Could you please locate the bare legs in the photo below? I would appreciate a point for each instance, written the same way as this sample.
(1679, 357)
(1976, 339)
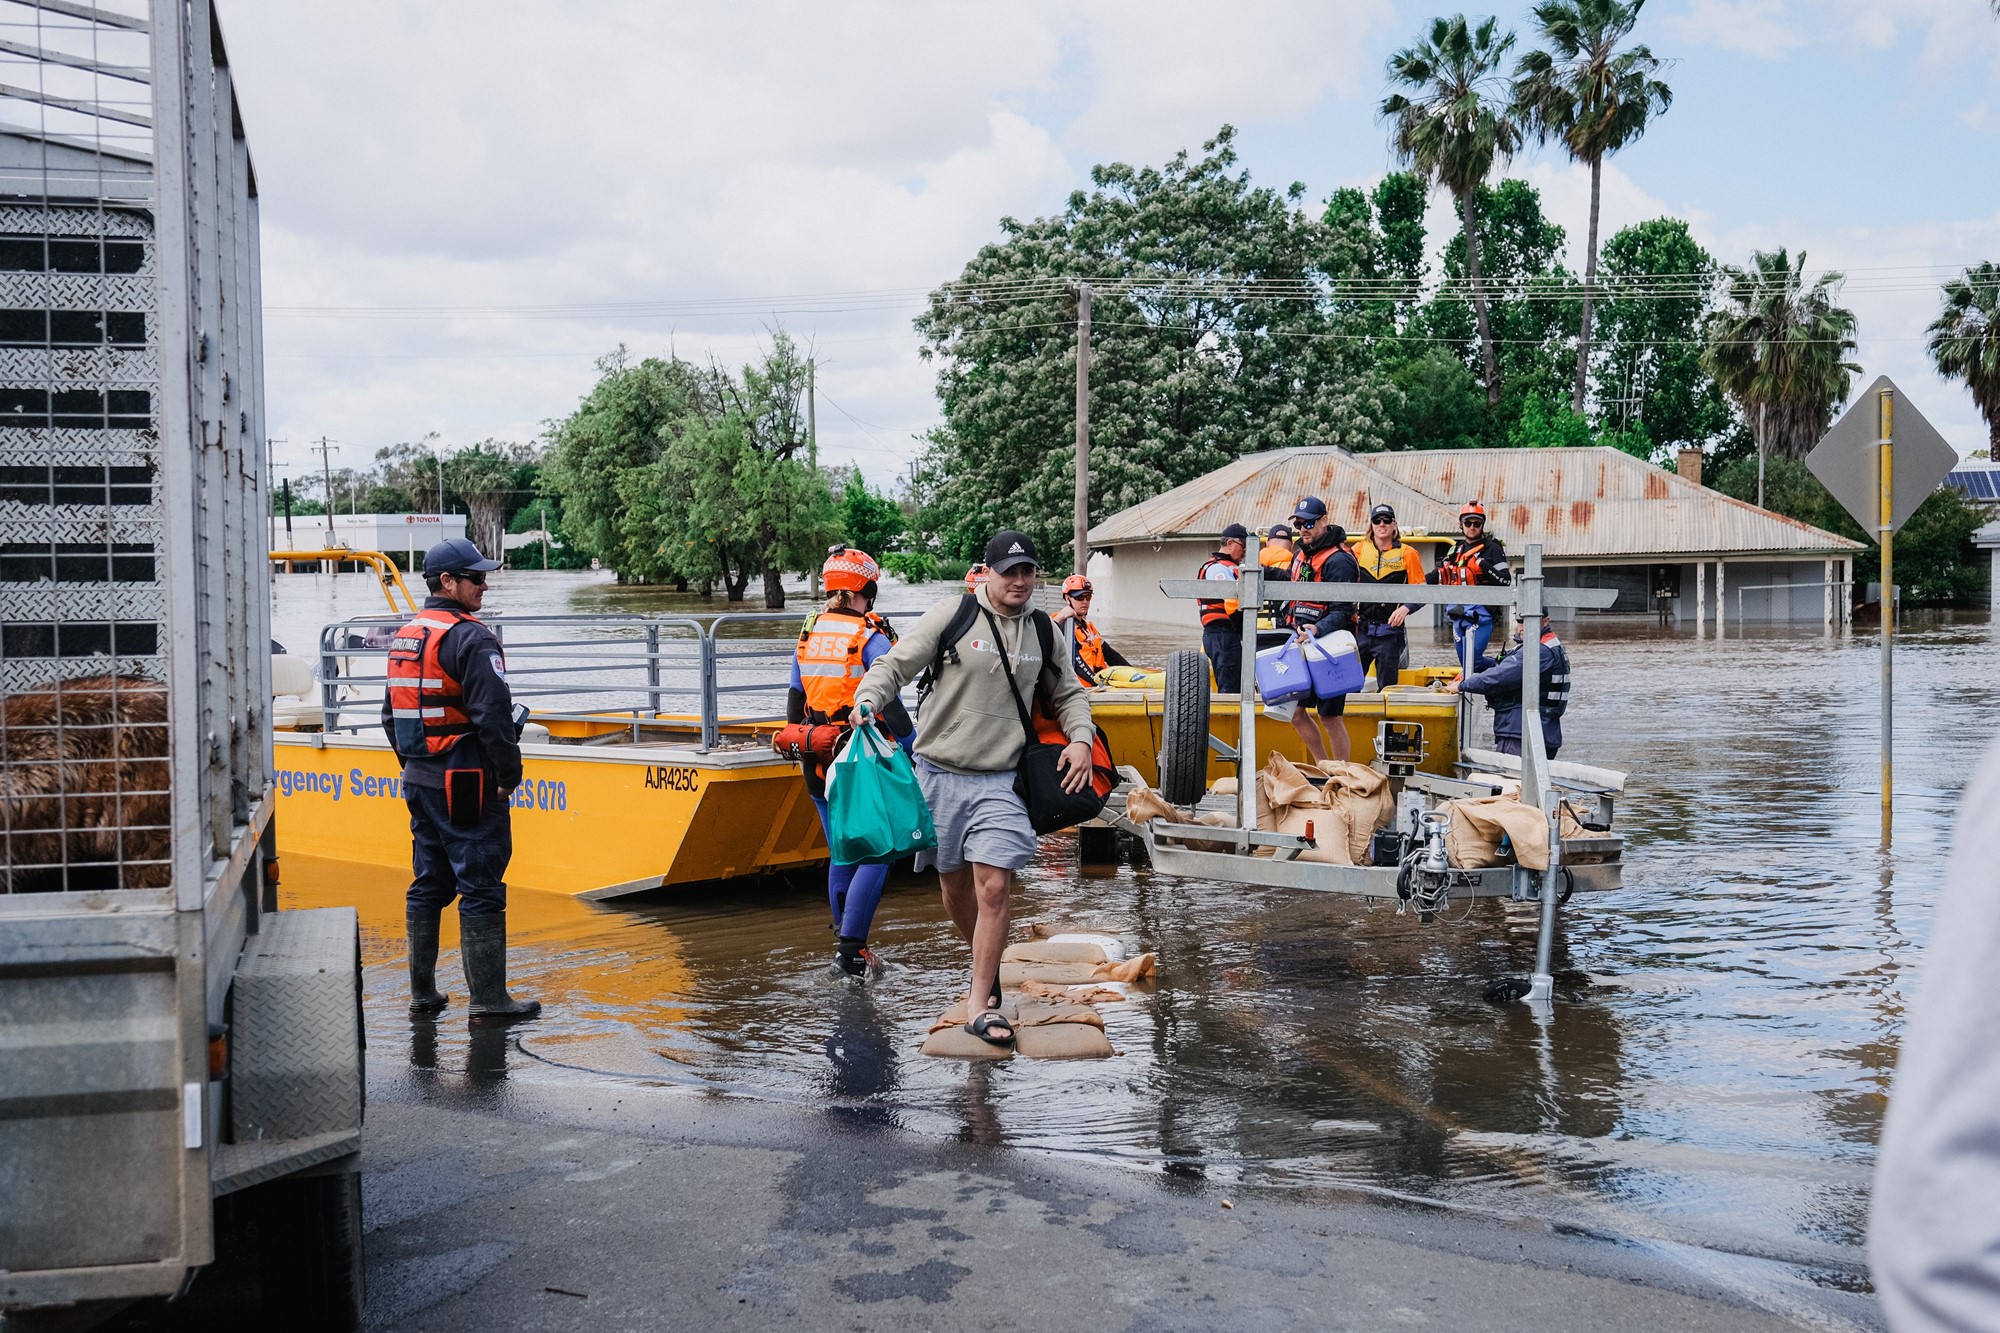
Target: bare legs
(978, 900)
(1322, 741)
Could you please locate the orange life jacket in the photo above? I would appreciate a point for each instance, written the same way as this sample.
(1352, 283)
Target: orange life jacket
(1089, 649)
(1466, 564)
(1216, 612)
(1310, 567)
(426, 706)
(830, 666)
(1275, 557)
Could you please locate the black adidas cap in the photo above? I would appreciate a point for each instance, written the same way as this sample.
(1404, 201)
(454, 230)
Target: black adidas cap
(1010, 548)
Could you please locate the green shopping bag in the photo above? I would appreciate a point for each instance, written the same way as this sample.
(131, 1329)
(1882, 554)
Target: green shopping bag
(876, 812)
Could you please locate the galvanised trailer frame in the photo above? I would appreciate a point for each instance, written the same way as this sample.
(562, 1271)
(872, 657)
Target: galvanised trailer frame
(176, 1052)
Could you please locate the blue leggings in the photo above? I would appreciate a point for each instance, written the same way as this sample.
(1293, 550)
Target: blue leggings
(1473, 621)
(852, 892)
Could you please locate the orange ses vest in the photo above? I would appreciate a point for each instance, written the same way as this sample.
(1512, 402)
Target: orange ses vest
(426, 705)
(1089, 650)
(830, 666)
(1216, 612)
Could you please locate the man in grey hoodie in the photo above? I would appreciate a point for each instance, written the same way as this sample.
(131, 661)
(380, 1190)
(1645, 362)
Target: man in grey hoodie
(969, 740)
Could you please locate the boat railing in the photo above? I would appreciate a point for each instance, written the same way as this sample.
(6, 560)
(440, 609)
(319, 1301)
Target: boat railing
(642, 669)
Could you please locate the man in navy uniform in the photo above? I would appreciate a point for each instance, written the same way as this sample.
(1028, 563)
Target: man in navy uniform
(1500, 682)
(450, 718)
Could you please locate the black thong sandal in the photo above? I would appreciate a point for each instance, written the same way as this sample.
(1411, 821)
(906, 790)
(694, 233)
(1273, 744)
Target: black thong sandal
(982, 1028)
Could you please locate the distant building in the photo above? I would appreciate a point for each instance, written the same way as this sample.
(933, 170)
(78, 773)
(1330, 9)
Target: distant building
(1604, 519)
(404, 535)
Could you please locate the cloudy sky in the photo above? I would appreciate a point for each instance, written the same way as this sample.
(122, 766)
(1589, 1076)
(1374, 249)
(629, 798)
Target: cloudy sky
(466, 204)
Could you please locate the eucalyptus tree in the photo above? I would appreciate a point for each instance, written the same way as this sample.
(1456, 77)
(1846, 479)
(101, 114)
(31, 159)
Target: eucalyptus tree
(1964, 340)
(1453, 123)
(1777, 347)
(1595, 99)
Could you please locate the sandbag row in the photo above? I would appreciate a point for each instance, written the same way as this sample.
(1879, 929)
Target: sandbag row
(1051, 985)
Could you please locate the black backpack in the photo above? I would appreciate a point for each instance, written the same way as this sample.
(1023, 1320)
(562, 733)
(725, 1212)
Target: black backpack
(955, 629)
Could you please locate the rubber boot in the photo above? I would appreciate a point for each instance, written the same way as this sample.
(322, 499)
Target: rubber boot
(421, 928)
(482, 947)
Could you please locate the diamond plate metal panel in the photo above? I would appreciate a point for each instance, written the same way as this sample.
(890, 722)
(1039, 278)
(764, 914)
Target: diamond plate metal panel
(295, 1045)
(64, 446)
(112, 367)
(74, 222)
(83, 601)
(77, 291)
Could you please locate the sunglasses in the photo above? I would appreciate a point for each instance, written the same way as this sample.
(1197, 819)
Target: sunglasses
(1472, 522)
(475, 577)
(1383, 522)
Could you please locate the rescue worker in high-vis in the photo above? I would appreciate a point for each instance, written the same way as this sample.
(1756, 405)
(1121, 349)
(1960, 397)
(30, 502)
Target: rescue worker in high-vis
(1323, 557)
(1089, 654)
(1476, 560)
(1222, 618)
(1381, 557)
(1275, 557)
(451, 720)
(836, 648)
(1500, 682)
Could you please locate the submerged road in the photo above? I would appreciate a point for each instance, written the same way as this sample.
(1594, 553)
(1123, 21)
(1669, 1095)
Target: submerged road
(503, 1196)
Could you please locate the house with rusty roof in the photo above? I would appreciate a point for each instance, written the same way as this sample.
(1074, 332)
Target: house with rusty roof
(1669, 545)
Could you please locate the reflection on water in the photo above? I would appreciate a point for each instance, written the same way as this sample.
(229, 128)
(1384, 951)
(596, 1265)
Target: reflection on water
(1714, 1075)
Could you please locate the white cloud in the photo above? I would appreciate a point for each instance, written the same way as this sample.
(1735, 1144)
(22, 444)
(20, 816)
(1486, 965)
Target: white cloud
(513, 153)
(1755, 27)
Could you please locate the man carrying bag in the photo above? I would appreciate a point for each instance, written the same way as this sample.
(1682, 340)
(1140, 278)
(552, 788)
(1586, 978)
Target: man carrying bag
(971, 740)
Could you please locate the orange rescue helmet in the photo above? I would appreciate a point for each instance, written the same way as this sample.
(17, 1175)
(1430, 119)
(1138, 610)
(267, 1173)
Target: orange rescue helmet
(1076, 585)
(974, 577)
(1472, 509)
(849, 570)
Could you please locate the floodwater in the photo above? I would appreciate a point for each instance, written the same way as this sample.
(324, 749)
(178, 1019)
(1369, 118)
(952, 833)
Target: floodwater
(1712, 1082)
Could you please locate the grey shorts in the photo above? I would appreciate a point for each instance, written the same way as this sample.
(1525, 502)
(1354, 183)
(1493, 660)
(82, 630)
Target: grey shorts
(978, 818)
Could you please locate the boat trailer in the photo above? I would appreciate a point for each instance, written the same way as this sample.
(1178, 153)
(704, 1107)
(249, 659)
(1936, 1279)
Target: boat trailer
(1419, 875)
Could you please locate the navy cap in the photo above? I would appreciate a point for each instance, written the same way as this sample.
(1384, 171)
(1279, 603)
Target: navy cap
(1382, 511)
(1236, 532)
(457, 556)
(1008, 549)
(1279, 532)
(1310, 510)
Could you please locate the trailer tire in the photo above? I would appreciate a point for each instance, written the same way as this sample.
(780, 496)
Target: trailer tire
(309, 1257)
(1184, 729)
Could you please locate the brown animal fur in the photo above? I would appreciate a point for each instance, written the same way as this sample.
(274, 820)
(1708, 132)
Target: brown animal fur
(84, 786)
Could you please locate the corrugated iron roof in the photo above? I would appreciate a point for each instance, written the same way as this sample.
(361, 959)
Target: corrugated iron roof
(1576, 502)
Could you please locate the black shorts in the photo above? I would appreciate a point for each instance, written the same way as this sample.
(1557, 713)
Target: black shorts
(1333, 707)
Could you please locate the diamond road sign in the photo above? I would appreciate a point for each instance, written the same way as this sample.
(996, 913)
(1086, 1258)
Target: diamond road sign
(1848, 460)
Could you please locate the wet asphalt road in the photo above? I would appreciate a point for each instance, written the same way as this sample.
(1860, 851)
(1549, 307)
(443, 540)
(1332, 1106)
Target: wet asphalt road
(500, 1199)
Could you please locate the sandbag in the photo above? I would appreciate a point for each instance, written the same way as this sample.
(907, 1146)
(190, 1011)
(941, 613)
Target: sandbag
(1054, 951)
(1363, 796)
(1225, 786)
(1063, 1041)
(1287, 802)
(1142, 968)
(1472, 838)
(1087, 993)
(1143, 805)
(1047, 930)
(1037, 1012)
(1014, 975)
(1114, 948)
(948, 1039)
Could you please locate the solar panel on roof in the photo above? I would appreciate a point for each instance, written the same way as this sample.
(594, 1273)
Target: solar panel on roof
(1979, 483)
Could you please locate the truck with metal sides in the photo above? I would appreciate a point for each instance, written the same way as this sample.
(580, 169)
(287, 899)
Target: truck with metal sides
(180, 1062)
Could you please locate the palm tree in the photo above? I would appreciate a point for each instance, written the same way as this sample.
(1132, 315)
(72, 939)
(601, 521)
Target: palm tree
(1449, 129)
(1777, 347)
(1596, 99)
(1965, 340)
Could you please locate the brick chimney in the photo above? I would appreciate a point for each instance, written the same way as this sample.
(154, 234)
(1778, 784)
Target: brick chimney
(1688, 464)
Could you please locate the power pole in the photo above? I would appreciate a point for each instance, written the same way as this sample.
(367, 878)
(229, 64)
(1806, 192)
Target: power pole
(1081, 545)
(1760, 454)
(327, 448)
(812, 455)
(272, 465)
(545, 539)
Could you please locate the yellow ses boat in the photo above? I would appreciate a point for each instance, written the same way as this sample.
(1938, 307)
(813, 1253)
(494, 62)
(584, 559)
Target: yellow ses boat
(647, 760)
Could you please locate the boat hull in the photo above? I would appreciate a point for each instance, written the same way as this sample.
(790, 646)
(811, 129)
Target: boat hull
(593, 822)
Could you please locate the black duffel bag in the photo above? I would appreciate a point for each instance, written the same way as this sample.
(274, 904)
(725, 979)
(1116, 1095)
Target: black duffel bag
(1037, 777)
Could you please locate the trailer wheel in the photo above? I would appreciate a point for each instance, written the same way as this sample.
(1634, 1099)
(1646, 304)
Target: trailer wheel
(309, 1252)
(1184, 729)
